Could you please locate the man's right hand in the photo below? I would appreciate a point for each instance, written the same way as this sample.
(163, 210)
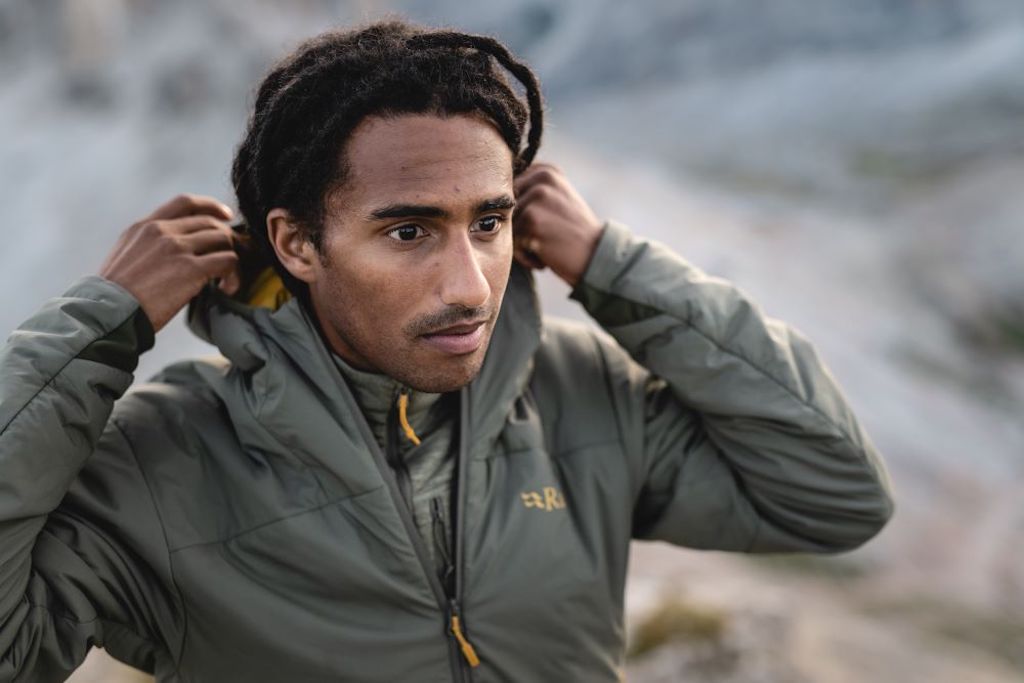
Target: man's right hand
(166, 258)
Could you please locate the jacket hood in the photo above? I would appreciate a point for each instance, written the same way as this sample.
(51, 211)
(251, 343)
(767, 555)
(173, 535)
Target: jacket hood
(283, 388)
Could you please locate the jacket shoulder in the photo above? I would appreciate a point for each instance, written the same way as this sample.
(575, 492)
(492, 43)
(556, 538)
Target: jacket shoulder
(186, 445)
(175, 404)
(585, 378)
(572, 352)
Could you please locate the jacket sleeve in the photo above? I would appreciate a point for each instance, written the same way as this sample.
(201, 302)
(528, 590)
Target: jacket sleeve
(748, 443)
(81, 549)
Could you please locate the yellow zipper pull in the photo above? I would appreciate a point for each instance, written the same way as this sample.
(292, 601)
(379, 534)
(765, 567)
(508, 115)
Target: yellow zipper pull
(403, 418)
(467, 648)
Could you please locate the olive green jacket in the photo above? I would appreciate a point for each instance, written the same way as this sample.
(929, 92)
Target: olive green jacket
(235, 520)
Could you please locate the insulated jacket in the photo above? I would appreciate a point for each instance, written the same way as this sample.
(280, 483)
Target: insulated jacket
(417, 438)
(234, 519)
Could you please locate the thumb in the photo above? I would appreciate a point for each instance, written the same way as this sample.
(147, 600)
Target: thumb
(230, 283)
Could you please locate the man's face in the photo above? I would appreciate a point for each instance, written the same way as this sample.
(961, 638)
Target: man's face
(417, 249)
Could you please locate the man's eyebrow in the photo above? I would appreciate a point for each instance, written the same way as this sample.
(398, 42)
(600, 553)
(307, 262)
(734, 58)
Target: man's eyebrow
(408, 211)
(426, 211)
(502, 202)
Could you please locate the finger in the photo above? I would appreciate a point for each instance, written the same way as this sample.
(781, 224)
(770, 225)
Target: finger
(540, 167)
(529, 218)
(537, 174)
(528, 259)
(530, 249)
(206, 241)
(217, 263)
(189, 224)
(231, 283)
(525, 224)
(531, 244)
(524, 182)
(191, 205)
(518, 256)
(527, 245)
(537, 201)
(532, 195)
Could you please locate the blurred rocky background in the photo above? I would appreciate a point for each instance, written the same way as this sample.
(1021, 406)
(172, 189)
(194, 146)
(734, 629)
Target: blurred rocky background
(858, 167)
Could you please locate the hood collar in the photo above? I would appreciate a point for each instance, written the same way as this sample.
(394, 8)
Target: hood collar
(281, 362)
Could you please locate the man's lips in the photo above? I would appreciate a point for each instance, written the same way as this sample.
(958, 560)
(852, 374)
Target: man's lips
(457, 339)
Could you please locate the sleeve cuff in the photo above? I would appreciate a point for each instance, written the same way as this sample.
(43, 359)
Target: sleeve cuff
(616, 251)
(609, 256)
(121, 347)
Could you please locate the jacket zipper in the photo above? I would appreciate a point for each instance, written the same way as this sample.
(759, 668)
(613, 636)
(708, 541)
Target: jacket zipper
(458, 505)
(447, 575)
(442, 534)
(461, 651)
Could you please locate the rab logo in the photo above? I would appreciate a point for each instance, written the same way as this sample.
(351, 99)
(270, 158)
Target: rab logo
(548, 499)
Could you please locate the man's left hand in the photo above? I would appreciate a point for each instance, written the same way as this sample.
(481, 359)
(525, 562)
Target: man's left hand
(554, 227)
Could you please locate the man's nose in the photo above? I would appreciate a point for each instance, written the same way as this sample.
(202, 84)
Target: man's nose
(462, 278)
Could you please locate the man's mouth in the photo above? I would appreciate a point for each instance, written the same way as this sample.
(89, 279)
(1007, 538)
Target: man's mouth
(459, 339)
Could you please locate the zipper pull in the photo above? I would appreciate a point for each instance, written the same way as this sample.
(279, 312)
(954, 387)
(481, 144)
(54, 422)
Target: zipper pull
(456, 628)
(403, 417)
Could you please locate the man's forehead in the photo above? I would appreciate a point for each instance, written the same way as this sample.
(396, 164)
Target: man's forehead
(413, 157)
(439, 174)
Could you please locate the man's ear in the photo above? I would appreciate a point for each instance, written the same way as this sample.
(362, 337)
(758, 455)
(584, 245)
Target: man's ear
(293, 248)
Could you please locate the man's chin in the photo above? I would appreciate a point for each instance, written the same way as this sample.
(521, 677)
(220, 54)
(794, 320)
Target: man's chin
(439, 372)
(449, 375)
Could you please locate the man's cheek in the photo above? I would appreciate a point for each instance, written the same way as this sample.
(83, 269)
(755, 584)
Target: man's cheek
(498, 278)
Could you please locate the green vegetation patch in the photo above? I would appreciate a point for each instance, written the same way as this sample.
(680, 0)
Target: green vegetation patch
(679, 621)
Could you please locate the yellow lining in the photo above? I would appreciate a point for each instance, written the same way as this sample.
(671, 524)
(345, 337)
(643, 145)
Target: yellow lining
(267, 291)
(403, 418)
(467, 649)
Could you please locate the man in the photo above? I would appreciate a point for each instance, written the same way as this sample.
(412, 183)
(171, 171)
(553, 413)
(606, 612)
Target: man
(401, 473)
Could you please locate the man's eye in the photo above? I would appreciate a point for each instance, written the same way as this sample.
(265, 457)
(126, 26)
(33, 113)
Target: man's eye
(489, 224)
(406, 233)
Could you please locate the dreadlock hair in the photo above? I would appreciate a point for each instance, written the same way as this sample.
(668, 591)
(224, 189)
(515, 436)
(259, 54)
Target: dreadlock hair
(309, 104)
